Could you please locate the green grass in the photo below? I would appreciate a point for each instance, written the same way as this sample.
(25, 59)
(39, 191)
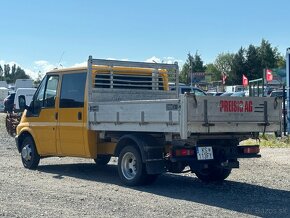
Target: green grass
(269, 141)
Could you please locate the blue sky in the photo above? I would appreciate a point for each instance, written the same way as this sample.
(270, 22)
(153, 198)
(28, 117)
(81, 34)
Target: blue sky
(38, 34)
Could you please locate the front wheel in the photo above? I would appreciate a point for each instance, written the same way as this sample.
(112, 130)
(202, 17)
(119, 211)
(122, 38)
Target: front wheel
(30, 157)
(213, 174)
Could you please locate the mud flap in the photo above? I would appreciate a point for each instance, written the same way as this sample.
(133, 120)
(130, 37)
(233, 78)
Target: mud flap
(155, 166)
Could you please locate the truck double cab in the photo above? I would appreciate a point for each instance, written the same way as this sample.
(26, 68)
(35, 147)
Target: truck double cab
(125, 109)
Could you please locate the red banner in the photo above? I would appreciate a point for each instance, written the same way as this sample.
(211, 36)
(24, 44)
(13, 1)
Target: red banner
(245, 80)
(269, 75)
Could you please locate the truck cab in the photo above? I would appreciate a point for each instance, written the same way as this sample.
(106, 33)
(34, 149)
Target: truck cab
(55, 122)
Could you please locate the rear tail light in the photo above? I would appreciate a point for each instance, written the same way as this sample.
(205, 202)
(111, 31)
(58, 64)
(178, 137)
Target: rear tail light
(251, 149)
(183, 152)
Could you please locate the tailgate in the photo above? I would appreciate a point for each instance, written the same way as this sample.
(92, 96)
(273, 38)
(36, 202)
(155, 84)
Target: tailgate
(217, 114)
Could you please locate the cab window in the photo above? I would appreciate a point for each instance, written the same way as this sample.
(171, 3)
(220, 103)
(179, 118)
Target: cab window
(72, 90)
(50, 92)
(45, 95)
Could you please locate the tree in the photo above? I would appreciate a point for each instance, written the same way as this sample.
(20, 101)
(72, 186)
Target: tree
(6, 70)
(192, 64)
(13, 73)
(253, 63)
(13, 70)
(40, 77)
(268, 55)
(250, 61)
(211, 69)
(281, 62)
(224, 64)
(197, 63)
(1, 73)
(20, 74)
(238, 67)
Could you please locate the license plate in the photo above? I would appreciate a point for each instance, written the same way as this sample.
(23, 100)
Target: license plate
(204, 153)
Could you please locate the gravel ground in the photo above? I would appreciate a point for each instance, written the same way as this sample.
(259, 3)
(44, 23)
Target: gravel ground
(73, 187)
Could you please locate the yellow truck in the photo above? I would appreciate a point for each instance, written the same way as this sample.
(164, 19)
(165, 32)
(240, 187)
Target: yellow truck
(125, 109)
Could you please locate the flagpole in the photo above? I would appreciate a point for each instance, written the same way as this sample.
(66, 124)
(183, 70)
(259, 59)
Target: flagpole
(263, 81)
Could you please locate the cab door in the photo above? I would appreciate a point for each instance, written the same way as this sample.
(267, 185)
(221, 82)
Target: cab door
(42, 116)
(71, 114)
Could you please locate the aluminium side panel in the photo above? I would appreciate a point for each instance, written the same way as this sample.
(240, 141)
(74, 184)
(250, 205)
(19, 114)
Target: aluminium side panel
(137, 116)
(211, 114)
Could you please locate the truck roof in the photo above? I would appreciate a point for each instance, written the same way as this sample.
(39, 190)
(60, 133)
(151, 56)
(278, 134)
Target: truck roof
(107, 69)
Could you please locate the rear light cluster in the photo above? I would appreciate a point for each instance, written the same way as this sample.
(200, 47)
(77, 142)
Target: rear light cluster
(182, 152)
(251, 149)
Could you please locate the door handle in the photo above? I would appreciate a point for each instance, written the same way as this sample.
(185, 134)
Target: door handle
(56, 115)
(79, 115)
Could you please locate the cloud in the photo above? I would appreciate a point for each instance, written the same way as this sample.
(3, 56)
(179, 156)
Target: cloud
(166, 60)
(40, 66)
(2, 62)
(28, 71)
(43, 66)
(153, 59)
(82, 64)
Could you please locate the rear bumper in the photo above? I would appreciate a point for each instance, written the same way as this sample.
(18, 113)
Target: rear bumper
(225, 157)
(249, 156)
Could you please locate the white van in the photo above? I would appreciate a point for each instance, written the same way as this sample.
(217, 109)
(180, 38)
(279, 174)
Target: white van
(3, 95)
(27, 93)
(3, 84)
(23, 83)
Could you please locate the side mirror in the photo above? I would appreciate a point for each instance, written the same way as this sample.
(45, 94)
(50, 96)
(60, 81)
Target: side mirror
(22, 103)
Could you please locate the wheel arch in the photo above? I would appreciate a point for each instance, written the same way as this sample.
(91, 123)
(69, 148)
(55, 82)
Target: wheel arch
(133, 140)
(21, 136)
(151, 150)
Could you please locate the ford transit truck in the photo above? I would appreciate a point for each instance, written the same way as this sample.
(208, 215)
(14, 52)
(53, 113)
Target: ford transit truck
(125, 109)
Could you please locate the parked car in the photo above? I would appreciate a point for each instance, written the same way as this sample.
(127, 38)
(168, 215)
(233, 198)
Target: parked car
(9, 102)
(3, 95)
(278, 93)
(227, 94)
(212, 93)
(238, 94)
(268, 90)
(195, 90)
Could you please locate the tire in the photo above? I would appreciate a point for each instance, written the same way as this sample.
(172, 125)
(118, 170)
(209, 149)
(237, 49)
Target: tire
(213, 174)
(131, 169)
(102, 160)
(29, 156)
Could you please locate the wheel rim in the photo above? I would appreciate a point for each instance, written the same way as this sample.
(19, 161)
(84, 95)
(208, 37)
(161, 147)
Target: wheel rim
(26, 152)
(129, 166)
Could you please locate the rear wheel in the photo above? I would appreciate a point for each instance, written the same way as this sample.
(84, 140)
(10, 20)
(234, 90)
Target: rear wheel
(131, 169)
(102, 159)
(30, 157)
(213, 174)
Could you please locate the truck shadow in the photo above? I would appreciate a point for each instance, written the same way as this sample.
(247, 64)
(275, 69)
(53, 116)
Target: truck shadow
(232, 195)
